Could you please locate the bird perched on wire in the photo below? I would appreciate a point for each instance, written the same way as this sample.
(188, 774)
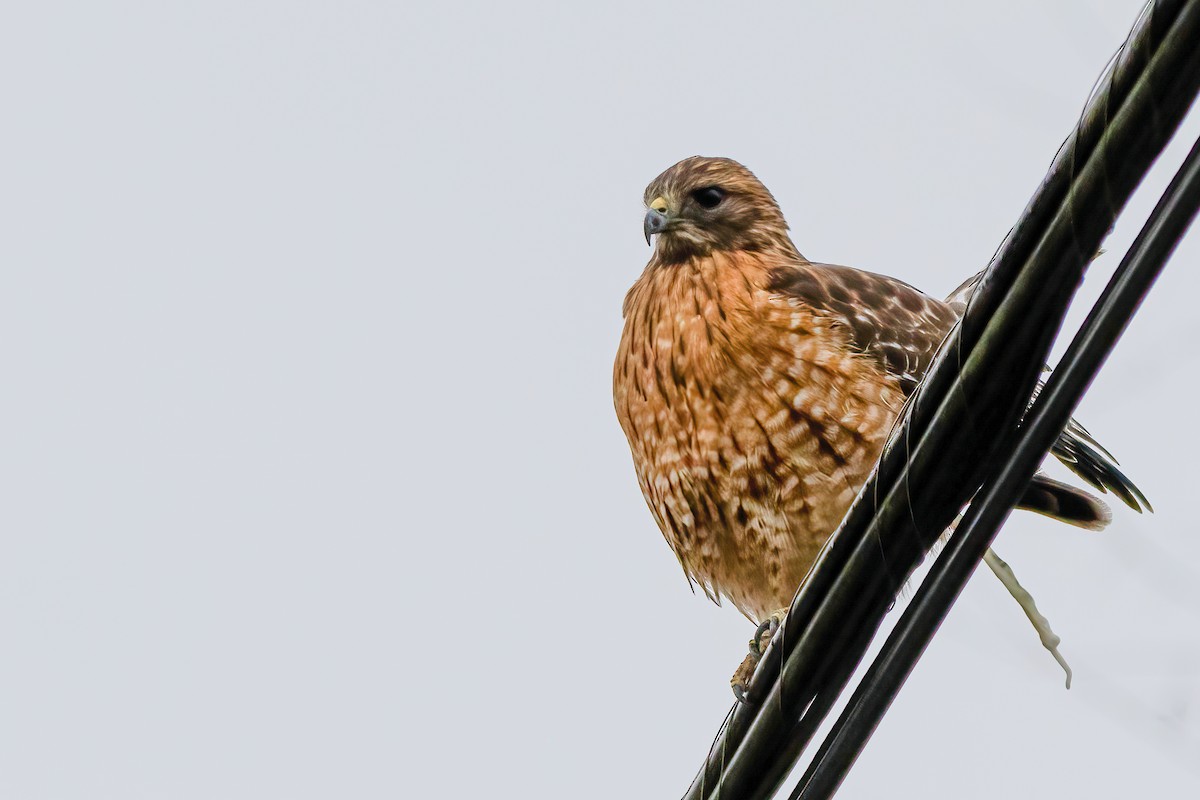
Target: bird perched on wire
(757, 389)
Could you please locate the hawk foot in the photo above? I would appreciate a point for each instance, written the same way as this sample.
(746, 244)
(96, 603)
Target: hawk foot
(740, 682)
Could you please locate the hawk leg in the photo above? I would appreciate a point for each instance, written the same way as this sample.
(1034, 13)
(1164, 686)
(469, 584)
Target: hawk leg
(740, 681)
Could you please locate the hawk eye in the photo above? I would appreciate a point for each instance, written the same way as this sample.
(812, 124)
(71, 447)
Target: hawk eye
(709, 197)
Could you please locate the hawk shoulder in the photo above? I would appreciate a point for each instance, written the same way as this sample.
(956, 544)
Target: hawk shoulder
(886, 318)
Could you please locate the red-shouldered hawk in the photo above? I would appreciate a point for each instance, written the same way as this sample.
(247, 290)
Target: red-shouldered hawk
(757, 388)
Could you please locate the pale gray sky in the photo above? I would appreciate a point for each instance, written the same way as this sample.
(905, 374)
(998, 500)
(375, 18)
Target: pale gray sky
(313, 486)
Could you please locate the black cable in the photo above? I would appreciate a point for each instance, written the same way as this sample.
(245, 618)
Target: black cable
(1046, 419)
(971, 400)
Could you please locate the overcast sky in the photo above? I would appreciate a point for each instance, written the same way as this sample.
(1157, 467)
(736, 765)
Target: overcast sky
(312, 483)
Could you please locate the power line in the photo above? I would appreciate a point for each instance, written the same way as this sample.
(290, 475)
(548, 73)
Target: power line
(1046, 418)
(963, 418)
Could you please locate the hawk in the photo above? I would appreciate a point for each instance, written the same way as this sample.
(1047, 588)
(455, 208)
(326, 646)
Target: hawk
(757, 388)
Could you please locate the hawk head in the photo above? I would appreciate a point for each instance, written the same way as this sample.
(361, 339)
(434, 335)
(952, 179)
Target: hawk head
(702, 205)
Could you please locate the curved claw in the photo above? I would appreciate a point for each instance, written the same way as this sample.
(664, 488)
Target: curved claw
(739, 691)
(769, 625)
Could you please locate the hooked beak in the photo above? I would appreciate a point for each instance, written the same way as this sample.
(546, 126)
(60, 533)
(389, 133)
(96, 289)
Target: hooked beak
(655, 222)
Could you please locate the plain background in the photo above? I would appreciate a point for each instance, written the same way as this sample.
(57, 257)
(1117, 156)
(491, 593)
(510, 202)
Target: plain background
(312, 485)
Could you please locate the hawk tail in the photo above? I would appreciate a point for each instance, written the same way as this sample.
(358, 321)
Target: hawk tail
(1066, 503)
(1088, 459)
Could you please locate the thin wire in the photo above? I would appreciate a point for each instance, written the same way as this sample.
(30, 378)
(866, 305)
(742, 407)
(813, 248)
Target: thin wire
(1083, 359)
(835, 613)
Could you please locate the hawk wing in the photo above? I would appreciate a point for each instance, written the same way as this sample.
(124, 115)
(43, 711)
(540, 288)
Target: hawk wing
(1074, 447)
(903, 327)
(900, 326)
